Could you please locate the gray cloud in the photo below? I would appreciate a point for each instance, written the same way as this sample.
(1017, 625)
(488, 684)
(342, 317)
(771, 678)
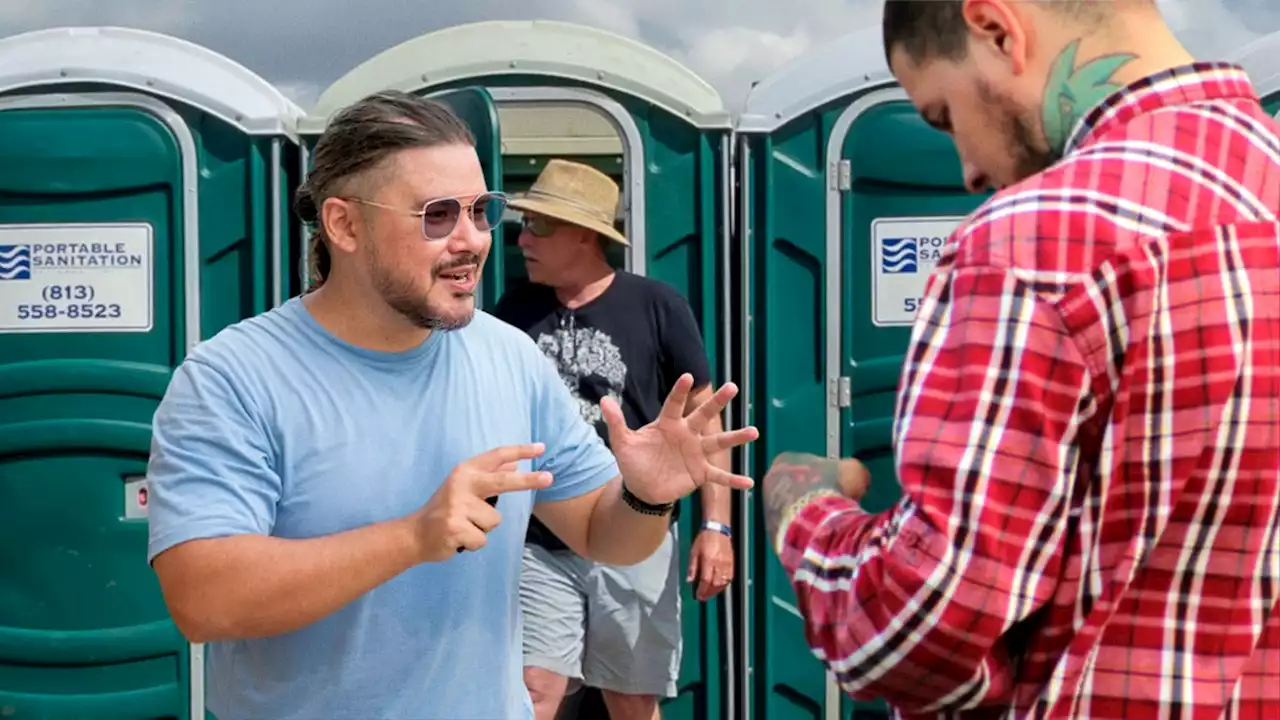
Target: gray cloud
(304, 46)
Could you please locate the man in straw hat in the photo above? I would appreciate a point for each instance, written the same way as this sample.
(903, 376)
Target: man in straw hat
(611, 334)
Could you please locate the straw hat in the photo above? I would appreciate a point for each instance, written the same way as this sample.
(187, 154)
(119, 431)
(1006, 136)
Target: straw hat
(575, 193)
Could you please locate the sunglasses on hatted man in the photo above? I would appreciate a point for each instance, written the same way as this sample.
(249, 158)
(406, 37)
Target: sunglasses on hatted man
(540, 226)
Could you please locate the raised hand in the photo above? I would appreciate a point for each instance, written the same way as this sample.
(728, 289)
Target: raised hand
(458, 517)
(670, 457)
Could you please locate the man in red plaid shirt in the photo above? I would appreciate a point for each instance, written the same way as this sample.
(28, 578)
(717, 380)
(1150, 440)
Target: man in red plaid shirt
(1088, 423)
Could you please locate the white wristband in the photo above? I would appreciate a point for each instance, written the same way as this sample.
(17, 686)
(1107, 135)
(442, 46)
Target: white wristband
(717, 527)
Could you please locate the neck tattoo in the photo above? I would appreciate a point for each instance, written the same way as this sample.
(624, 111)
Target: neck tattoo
(1072, 91)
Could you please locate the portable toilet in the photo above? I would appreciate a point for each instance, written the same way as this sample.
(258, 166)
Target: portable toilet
(143, 183)
(673, 138)
(846, 196)
(1261, 59)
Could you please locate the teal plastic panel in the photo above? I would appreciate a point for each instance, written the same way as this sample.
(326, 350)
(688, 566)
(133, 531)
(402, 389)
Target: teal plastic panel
(907, 196)
(787, 247)
(83, 628)
(683, 251)
(92, 221)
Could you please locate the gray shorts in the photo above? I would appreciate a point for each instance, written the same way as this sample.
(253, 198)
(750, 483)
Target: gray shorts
(615, 628)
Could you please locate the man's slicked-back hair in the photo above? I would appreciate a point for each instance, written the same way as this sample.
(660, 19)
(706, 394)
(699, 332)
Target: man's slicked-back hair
(358, 139)
(925, 29)
(935, 29)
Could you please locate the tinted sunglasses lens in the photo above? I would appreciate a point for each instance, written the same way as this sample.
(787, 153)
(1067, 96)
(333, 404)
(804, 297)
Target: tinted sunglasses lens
(540, 226)
(439, 217)
(487, 211)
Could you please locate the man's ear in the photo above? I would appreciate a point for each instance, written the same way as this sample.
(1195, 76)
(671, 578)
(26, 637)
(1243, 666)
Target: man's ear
(339, 220)
(999, 28)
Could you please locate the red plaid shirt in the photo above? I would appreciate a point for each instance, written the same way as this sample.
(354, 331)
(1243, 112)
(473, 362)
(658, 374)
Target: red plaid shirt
(1088, 440)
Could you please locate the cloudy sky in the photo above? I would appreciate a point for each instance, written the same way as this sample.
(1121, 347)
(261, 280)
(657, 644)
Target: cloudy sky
(303, 45)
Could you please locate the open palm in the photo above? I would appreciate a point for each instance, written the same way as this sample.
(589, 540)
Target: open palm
(671, 457)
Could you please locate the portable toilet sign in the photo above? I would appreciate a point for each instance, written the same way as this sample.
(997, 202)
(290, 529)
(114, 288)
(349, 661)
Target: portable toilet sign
(554, 86)
(143, 189)
(846, 198)
(1261, 59)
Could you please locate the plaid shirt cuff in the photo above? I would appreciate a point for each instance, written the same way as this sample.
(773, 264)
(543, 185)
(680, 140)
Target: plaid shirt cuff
(806, 518)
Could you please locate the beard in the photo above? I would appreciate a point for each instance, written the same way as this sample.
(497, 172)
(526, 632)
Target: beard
(401, 295)
(1018, 130)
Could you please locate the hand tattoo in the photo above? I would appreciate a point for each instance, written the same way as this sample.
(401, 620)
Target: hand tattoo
(791, 477)
(1072, 91)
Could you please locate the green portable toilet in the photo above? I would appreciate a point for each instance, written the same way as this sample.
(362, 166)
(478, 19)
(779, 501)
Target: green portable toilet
(1261, 59)
(846, 196)
(674, 141)
(143, 183)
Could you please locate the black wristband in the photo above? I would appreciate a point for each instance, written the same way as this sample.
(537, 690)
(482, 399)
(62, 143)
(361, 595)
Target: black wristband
(643, 507)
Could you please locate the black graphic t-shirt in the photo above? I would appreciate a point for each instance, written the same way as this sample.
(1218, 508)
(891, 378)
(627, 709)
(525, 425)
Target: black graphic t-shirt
(632, 343)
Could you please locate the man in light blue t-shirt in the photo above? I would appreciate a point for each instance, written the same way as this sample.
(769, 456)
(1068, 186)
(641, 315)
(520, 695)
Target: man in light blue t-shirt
(319, 473)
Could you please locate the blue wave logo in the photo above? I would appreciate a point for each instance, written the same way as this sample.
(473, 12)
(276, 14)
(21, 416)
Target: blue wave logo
(15, 262)
(899, 255)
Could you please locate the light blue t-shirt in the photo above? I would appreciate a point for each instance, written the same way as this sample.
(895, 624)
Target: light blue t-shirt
(277, 427)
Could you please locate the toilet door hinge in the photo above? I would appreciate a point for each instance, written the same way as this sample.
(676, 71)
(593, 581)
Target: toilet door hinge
(841, 392)
(844, 176)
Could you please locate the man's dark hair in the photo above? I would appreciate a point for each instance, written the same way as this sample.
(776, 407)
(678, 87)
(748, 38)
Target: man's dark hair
(935, 29)
(925, 29)
(358, 139)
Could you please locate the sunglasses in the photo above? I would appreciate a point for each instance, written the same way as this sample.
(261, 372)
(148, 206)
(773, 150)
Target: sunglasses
(440, 216)
(540, 226)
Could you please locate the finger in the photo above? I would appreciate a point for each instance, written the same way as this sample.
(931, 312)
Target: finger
(712, 444)
(471, 539)
(854, 478)
(499, 456)
(487, 485)
(615, 422)
(705, 590)
(484, 517)
(678, 399)
(693, 566)
(719, 476)
(707, 583)
(712, 407)
(724, 574)
(506, 467)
